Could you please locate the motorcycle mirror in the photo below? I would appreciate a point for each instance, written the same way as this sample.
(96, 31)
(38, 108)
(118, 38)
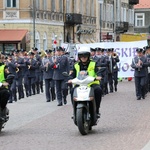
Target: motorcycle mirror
(65, 74)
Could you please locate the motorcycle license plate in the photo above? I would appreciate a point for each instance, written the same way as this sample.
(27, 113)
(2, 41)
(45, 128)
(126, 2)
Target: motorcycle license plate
(83, 93)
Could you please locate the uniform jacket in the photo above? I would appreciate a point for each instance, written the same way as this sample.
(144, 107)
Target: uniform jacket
(143, 70)
(47, 71)
(31, 70)
(61, 65)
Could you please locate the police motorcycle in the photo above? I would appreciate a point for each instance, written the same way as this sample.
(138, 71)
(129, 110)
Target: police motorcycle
(84, 106)
(4, 114)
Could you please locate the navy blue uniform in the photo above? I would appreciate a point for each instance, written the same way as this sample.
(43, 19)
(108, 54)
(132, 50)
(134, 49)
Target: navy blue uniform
(47, 66)
(32, 65)
(140, 75)
(61, 65)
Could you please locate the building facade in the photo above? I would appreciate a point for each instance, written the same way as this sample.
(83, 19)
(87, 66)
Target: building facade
(117, 17)
(142, 18)
(47, 23)
(44, 23)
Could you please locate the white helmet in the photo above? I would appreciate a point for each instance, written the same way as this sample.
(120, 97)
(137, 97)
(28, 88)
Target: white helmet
(84, 50)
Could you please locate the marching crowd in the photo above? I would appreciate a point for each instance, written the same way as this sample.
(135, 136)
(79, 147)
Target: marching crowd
(31, 69)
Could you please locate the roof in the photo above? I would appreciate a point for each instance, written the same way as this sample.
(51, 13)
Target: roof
(13, 35)
(142, 4)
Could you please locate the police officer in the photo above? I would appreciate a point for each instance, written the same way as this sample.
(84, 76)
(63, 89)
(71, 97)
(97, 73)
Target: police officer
(110, 68)
(147, 55)
(83, 65)
(103, 63)
(4, 93)
(32, 65)
(19, 65)
(23, 55)
(13, 71)
(60, 65)
(47, 66)
(38, 73)
(140, 64)
(115, 69)
(93, 54)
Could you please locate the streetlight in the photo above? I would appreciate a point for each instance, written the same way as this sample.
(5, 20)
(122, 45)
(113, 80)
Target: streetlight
(100, 17)
(33, 23)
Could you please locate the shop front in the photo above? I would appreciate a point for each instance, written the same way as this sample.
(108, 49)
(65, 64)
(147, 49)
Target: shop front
(12, 39)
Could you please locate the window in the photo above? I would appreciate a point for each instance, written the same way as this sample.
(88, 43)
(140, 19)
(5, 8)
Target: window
(44, 4)
(124, 14)
(61, 5)
(11, 3)
(37, 4)
(53, 5)
(131, 16)
(81, 6)
(139, 19)
(92, 8)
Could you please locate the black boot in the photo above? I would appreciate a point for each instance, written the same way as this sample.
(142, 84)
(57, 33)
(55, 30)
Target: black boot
(53, 93)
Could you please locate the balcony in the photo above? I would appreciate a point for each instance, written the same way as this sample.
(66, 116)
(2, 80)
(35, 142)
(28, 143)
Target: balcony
(122, 27)
(133, 2)
(72, 19)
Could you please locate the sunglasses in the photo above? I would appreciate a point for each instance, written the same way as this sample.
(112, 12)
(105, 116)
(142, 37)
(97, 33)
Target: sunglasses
(83, 55)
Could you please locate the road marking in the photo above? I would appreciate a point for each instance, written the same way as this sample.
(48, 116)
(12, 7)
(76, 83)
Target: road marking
(147, 146)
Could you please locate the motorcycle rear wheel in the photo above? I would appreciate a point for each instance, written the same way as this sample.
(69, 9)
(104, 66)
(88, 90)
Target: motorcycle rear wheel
(82, 123)
(1, 126)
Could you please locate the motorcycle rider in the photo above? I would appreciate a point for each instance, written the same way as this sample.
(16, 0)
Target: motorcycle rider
(4, 92)
(93, 69)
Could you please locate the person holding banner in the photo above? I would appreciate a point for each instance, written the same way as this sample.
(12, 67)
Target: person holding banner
(140, 64)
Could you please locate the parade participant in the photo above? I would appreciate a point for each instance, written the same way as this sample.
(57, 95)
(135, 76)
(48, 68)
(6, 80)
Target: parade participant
(13, 71)
(19, 65)
(47, 66)
(61, 64)
(85, 64)
(103, 63)
(147, 55)
(32, 65)
(4, 92)
(110, 68)
(23, 55)
(93, 54)
(38, 73)
(140, 64)
(115, 69)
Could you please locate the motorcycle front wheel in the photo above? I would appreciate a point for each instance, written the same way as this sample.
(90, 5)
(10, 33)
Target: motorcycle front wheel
(82, 122)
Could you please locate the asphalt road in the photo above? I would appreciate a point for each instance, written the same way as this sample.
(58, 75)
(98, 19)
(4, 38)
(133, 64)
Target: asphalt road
(37, 125)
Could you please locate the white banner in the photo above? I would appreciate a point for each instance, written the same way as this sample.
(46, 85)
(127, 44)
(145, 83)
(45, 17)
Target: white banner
(126, 52)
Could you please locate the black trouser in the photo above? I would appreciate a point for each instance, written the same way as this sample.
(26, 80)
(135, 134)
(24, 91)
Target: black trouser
(4, 97)
(97, 93)
(140, 86)
(61, 90)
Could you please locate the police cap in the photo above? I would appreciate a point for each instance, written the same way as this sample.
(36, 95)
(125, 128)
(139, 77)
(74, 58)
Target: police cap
(138, 50)
(92, 49)
(146, 47)
(16, 51)
(34, 48)
(59, 48)
(30, 53)
(22, 50)
(48, 51)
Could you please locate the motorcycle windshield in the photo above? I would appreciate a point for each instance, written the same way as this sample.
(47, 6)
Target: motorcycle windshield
(82, 75)
(83, 78)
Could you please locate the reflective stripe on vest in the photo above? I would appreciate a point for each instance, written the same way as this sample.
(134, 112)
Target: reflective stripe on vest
(2, 77)
(90, 70)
